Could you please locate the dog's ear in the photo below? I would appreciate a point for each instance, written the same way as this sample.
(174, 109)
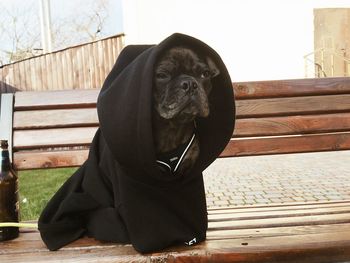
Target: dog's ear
(213, 68)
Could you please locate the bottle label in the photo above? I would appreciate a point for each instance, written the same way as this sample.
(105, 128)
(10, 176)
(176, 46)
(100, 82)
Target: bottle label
(9, 205)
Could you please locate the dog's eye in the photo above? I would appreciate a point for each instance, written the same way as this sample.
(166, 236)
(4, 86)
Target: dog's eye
(162, 75)
(205, 74)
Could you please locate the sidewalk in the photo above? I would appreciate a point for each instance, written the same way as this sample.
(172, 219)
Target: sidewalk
(271, 179)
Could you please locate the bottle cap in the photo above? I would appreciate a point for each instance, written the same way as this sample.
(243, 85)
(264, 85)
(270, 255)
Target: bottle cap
(4, 144)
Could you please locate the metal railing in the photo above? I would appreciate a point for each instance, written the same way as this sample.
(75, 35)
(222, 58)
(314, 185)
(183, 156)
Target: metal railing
(325, 62)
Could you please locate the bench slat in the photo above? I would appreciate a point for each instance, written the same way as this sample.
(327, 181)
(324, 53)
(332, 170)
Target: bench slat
(293, 106)
(276, 231)
(280, 207)
(83, 250)
(55, 99)
(292, 87)
(244, 127)
(243, 90)
(294, 144)
(55, 118)
(237, 147)
(289, 125)
(327, 246)
(60, 137)
(281, 222)
(277, 214)
(53, 159)
(312, 248)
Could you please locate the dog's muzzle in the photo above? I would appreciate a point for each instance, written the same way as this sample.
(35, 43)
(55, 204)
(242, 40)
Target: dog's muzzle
(189, 85)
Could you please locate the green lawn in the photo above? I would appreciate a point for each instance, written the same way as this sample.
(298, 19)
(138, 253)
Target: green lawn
(36, 187)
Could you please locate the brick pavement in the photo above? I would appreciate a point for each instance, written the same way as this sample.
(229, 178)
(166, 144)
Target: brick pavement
(278, 179)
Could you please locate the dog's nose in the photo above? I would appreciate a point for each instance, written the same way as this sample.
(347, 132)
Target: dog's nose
(189, 85)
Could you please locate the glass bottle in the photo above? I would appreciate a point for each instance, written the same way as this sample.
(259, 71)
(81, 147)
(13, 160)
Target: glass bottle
(8, 194)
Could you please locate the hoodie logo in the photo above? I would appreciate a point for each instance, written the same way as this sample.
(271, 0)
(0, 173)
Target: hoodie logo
(191, 242)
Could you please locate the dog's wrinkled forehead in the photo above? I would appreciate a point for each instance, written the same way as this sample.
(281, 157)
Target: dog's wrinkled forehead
(180, 59)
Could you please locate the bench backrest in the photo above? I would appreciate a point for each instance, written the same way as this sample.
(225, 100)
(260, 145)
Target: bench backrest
(291, 116)
(54, 129)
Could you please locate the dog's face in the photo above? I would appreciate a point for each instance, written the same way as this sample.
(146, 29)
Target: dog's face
(182, 83)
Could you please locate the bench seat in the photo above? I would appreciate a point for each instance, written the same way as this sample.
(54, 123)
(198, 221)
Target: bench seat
(298, 232)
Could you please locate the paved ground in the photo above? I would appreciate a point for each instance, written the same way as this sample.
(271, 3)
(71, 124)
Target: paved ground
(278, 179)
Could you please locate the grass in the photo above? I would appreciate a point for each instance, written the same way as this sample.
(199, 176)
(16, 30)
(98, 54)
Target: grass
(36, 187)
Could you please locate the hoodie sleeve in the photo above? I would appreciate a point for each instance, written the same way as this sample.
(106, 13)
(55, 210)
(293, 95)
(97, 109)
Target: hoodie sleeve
(61, 222)
(84, 205)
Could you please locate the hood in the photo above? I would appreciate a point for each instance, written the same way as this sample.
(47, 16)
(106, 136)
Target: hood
(125, 108)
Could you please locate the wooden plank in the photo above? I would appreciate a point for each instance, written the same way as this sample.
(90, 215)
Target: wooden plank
(39, 74)
(91, 66)
(315, 248)
(325, 219)
(293, 106)
(56, 99)
(54, 72)
(29, 238)
(69, 72)
(318, 247)
(278, 214)
(280, 207)
(244, 127)
(289, 125)
(228, 233)
(51, 159)
(293, 144)
(17, 77)
(276, 231)
(24, 75)
(55, 118)
(94, 66)
(80, 67)
(48, 71)
(61, 137)
(59, 69)
(100, 62)
(245, 108)
(83, 250)
(83, 136)
(85, 82)
(292, 87)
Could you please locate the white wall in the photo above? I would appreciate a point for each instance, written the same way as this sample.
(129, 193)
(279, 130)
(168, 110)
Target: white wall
(257, 39)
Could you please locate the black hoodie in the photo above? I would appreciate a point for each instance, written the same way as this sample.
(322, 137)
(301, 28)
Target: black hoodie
(119, 194)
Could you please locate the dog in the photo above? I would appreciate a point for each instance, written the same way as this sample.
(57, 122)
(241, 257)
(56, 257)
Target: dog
(182, 85)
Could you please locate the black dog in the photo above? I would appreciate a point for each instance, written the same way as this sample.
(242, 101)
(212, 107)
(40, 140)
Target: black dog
(182, 83)
(155, 100)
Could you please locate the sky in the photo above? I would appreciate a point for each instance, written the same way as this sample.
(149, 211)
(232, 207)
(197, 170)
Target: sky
(258, 39)
(62, 8)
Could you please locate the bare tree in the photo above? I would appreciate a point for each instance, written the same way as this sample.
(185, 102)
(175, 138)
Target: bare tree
(79, 27)
(20, 28)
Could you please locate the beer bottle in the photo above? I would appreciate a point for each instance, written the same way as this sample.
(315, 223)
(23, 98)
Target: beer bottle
(8, 194)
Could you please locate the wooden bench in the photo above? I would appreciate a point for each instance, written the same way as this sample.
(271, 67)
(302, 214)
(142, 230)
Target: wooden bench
(54, 129)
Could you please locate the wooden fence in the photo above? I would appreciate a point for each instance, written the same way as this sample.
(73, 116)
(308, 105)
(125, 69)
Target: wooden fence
(80, 67)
